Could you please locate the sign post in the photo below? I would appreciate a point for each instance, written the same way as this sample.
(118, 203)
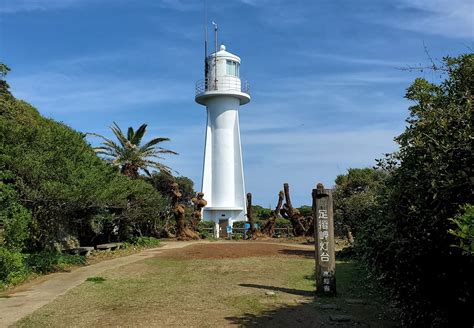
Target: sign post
(324, 240)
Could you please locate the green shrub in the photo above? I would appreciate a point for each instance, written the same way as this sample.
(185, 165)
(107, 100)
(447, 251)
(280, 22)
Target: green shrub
(464, 230)
(49, 261)
(260, 213)
(13, 215)
(205, 234)
(16, 227)
(355, 199)
(405, 239)
(145, 241)
(96, 280)
(237, 236)
(64, 185)
(283, 223)
(12, 267)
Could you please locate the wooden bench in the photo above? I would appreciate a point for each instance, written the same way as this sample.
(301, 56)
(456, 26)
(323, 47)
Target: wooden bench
(109, 246)
(84, 251)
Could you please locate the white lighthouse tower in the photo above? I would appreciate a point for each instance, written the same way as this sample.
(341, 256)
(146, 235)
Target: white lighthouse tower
(223, 92)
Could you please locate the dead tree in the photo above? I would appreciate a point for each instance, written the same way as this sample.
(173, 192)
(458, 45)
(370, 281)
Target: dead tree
(250, 216)
(269, 226)
(199, 202)
(299, 223)
(182, 231)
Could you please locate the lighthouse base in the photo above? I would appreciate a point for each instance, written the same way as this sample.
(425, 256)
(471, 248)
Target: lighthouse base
(223, 217)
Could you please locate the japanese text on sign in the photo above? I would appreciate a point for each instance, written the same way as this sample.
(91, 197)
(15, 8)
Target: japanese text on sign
(323, 228)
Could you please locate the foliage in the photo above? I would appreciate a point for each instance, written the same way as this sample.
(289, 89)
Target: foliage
(97, 280)
(130, 155)
(4, 69)
(162, 182)
(305, 210)
(431, 176)
(201, 229)
(145, 241)
(464, 230)
(51, 261)
(15, 266)
(12, 267)
(283, 223)
(53, 182)
(355, 199)
(260, 213)
(14, 217)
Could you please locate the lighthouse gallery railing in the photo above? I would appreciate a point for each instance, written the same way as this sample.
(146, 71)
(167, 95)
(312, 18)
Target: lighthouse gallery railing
(224, 85)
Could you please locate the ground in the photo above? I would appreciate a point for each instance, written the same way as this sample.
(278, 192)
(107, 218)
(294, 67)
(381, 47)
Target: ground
(213, 285)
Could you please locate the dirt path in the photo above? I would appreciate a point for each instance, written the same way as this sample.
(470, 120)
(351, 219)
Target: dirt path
(23, 302)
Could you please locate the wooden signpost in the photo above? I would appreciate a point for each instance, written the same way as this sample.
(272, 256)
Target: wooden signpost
(324, 240)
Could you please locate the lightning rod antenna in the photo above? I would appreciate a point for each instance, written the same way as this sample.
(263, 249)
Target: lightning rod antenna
(205, 30)
(206, 63)
(215, 54)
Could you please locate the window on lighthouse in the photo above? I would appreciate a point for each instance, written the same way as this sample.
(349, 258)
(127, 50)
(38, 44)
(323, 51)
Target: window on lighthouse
(232, 68)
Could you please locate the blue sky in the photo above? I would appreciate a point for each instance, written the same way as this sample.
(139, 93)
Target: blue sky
(327, 89)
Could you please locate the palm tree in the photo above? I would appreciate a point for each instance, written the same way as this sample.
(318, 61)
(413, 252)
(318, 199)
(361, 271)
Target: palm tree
(129, 155)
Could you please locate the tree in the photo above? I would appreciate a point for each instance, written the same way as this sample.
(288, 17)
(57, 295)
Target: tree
(4, 69)
(355, 199)
(130, 155)
(464, 229)
(183, 232)
(162, 182)
(268, 228)
(53, 186)
(431, 177)
(301, 225)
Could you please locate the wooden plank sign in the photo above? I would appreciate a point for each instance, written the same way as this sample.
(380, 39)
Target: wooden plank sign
(324, 240)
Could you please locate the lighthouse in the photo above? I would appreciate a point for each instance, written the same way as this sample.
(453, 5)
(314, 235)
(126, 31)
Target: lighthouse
(222, 91)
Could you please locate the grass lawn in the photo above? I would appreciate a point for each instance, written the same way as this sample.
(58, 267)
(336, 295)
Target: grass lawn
(189, 288)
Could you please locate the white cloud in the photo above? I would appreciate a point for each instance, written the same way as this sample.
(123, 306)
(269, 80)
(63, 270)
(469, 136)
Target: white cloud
(354, 60)
(250, 2)
(181, 5)
(450, 18)
(14, 6)
(53, 92)
(305, 157)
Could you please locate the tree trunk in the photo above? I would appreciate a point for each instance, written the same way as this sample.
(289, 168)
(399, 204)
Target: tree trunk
(250, 215)
(182, 231)
(130, 171)
(199, 202)
(269, 226)
(299, 223)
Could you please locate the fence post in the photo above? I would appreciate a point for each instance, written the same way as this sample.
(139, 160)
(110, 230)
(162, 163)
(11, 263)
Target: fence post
(324, 240)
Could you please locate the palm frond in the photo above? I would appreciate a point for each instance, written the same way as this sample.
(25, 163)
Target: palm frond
(128, 153)
(153, 142)
(120, 136)
(137, 138)
(130, 133)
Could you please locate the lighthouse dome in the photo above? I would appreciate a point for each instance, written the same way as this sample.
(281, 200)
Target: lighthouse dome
(224, 54)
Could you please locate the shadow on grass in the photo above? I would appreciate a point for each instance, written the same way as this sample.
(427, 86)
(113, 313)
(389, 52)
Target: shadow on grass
(304, 315)
(351, 283)
(280, 289)
(309, 254)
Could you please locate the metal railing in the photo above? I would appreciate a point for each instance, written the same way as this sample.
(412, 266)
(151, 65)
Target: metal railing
(225, 84)
(277, 232)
